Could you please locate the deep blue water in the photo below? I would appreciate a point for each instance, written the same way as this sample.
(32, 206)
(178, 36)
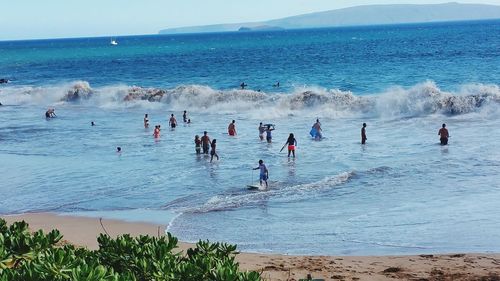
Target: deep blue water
(400, 193)
(358, 59)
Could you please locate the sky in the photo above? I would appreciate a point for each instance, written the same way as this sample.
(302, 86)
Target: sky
(36, 19)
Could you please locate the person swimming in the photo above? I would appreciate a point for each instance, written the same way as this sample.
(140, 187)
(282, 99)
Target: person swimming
(264, 172)
(205, 142)
(443, 132)
(213, 152)
(231, 129)
(118, 149)
(197, 144)
(292, 143)
(50, 113)
(146, 121)
(92, 123)
(189, 121)
(172, 121)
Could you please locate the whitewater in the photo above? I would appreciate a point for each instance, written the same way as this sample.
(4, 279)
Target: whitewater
(401, 193)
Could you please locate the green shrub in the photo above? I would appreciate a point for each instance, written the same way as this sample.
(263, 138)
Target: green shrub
(26, 256)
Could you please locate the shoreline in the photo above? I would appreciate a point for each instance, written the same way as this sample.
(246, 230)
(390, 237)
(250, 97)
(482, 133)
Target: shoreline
(83, 231)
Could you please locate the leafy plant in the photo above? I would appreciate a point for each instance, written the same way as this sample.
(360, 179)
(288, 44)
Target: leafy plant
(26, 256)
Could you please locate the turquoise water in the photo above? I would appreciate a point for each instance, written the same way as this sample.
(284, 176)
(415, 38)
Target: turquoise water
(400, 193)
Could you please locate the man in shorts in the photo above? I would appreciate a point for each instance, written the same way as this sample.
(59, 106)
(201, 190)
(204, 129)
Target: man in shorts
(264, 173)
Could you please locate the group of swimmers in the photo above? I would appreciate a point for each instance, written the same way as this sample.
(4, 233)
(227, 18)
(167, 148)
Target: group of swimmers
(205, 143)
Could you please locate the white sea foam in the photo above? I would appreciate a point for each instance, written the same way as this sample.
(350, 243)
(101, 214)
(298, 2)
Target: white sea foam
(231, 201)
(420, 100)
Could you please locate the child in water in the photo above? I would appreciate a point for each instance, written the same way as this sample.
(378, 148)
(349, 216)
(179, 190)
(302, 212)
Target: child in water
(213, 153)
(197, 144)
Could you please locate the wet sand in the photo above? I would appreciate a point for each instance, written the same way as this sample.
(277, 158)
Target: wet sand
(83, 231)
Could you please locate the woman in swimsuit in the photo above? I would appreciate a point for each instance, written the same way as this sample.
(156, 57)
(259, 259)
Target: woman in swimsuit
(213, 153)
(292, 143)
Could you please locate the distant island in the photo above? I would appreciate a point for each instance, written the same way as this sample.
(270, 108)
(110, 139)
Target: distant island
(358, 16)
(260, 28)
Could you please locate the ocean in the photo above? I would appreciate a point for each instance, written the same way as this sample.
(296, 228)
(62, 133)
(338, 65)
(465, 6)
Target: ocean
(400, 193)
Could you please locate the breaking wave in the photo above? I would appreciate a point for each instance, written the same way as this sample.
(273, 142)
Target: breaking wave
(420, 100)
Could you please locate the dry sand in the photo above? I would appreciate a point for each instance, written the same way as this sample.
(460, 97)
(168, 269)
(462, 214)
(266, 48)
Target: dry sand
(83, 231)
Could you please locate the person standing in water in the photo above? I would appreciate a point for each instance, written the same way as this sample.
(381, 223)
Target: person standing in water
(231, 129)
(213, 152)
(205, 142)
(292, 143)
(443, 132)
(269, 136)
(146, 121)
(156, 132)
(363, 134)
(172, 122)
(316, 131)
(184, 116)
(197, 144)
(262, 130)
(264, 172)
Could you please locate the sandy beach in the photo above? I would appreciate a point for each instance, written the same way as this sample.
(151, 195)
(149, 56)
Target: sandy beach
(82, 231)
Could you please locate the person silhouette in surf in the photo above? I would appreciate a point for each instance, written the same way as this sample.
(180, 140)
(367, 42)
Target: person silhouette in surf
(443, 132)
(231, 129)
(243, 85)
(146, 121)
(363, 134)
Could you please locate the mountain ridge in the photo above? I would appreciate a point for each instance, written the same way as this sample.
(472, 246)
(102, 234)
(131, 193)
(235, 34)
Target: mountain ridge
(360, 16)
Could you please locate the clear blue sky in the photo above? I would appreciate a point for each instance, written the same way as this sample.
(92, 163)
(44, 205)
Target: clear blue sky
(28, 19)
